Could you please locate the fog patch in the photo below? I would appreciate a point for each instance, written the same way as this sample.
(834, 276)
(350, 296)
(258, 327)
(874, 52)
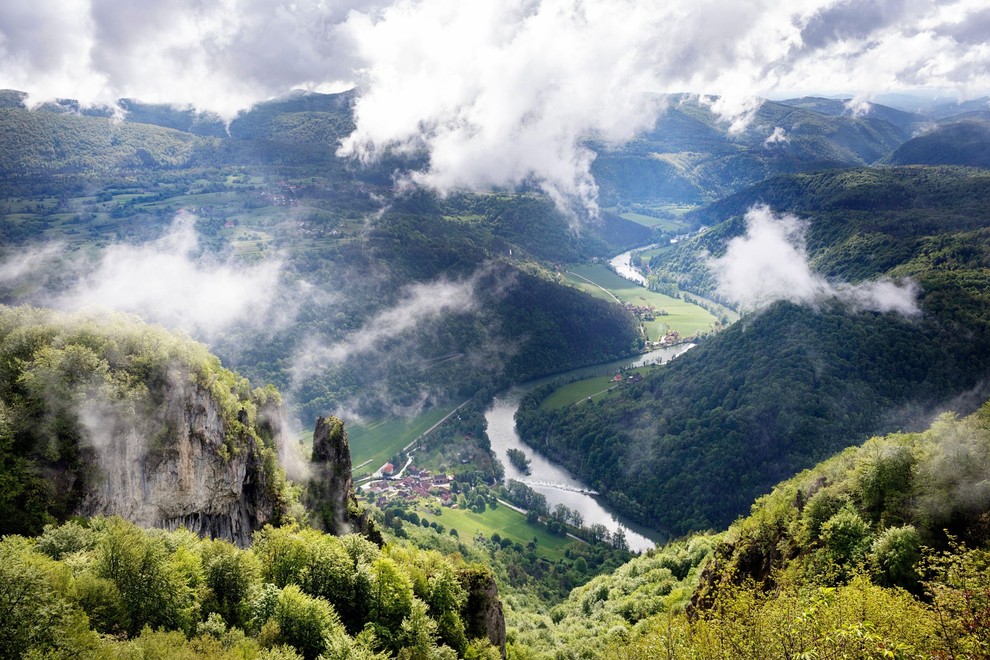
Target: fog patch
(779, 136)
(419, 303)
(770, 263)
(167, 282)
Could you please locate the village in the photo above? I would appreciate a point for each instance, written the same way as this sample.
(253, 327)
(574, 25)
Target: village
(414, 485)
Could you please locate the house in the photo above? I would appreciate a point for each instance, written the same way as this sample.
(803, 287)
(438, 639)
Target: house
(388, 470)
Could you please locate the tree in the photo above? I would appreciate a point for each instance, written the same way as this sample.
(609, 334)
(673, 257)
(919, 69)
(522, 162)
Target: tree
(391, 599)
(309, 624)
(894, 557)
(231, 575)
(153, 590)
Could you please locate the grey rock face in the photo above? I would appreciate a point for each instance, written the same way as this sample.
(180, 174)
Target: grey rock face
(184, 471)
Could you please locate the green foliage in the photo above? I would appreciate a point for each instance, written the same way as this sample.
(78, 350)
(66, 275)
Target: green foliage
(231, 577)
(171, 594)
(154, 591)
(894, 557)
(67, 379)
(786, 387)
(35, 606)
(306, 623)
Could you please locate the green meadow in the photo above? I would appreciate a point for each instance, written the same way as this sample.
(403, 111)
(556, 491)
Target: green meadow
(686, 318)
(506, 522)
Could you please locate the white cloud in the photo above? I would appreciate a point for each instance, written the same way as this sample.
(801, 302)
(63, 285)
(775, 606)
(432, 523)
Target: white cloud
(498, 92)
(770, 263)
(165, 282)
(779, 136)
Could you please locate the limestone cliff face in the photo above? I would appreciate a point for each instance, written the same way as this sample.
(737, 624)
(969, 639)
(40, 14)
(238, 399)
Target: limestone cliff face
(482, 613)
(331, 493)
(190, 468)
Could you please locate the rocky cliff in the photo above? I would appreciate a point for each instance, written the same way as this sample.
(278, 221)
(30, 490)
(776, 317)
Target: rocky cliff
(104, 415)
(196, 471)
(331, 494)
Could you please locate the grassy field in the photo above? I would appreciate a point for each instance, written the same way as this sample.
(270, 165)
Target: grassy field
(665, 224)
(595, 388)
(505, 522)
(686, 318)
(381, 439)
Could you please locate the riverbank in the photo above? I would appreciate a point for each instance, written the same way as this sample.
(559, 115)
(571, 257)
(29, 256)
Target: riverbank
(551, 480)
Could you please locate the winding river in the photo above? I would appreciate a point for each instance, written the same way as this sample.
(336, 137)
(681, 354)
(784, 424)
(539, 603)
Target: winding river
(622, 264)
(551, 480)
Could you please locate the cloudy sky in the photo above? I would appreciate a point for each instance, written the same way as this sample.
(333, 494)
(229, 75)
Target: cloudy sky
(499, 91)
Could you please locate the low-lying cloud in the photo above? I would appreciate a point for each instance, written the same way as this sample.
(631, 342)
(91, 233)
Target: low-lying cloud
(498, 93)
(166, 281)
(770, 263)
(420, 302)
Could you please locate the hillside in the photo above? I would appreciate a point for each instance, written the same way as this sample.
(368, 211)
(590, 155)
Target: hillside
(962, 142)
(906, 121)
(692, 156)
(108, 416)
(789, 385)
(881, 549)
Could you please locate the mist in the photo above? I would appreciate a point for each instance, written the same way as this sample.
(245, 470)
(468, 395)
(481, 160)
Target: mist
(166, 281)
(497, 93)
(384, 340)
(770, 263)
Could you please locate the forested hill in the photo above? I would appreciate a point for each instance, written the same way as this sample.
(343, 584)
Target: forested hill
(879, 551)
(864, 222)
(788, 386)
(691, 155)
(963, 142)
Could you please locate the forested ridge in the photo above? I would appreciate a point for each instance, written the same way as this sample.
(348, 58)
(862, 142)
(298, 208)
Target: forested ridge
(879, 551)
(789, 385)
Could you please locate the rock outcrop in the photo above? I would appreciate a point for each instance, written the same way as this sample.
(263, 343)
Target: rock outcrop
(189, 469)
(331, 490)
(482, 613)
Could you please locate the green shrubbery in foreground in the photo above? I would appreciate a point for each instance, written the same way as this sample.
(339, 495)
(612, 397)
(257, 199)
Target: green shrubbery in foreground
(880, 551)
(108, 589)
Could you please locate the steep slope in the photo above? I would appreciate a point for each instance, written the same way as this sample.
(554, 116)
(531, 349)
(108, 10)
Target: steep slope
(112, 417)
(691, 156)
(788, 386)
(881, 547)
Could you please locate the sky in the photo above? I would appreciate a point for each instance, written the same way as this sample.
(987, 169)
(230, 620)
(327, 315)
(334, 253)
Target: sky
(498, 92)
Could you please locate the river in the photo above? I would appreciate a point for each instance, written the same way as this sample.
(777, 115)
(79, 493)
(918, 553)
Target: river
(551, 480)
(621, 264)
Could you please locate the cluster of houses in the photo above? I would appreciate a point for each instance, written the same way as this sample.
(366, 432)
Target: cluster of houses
(414, 485)
(631, 378)
(644, 312)
(670, 339)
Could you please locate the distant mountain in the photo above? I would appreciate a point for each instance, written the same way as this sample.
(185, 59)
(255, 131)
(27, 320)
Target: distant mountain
(690, 155)
(841, 108)
(965, 142)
